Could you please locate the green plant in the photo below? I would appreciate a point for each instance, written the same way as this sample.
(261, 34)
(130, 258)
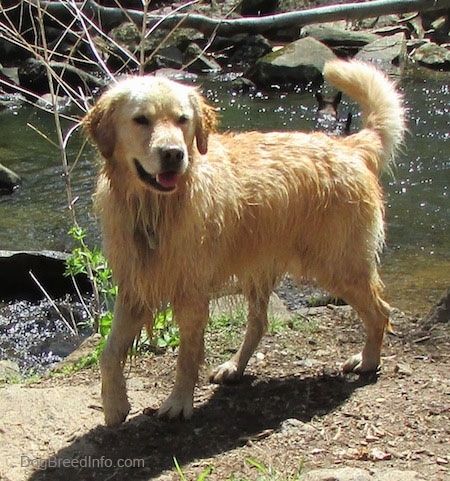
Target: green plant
(202, 477)
(269, 474)
(92, 263)
(166, 332)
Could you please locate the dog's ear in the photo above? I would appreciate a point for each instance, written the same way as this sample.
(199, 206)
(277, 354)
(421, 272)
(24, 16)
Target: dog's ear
(99, 124)
(206, 121)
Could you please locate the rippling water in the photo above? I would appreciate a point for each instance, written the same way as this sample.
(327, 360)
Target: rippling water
(416, 263)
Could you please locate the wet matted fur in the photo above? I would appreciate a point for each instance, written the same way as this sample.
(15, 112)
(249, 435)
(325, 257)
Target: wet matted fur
(185, 209)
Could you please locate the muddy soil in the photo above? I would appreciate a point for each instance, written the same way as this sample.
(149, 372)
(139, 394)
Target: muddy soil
(294, 411)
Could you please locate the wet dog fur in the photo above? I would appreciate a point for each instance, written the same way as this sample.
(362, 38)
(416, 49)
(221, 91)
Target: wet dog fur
(185, 209)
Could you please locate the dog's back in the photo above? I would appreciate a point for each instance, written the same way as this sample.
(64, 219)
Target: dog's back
(381, 103)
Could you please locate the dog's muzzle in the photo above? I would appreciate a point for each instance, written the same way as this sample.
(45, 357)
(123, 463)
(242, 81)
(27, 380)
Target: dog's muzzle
(163, 182)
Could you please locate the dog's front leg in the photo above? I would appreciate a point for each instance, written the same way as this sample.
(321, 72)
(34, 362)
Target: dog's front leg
(125, 327)
(191, 318)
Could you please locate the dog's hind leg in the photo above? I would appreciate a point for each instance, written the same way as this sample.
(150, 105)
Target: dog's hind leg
(374, 312)
(233, 369)
(126, 326)
(191, 317)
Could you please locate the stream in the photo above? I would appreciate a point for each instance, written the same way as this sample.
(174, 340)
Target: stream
(416, 260)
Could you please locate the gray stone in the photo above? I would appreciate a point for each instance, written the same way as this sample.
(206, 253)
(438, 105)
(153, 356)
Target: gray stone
(433, 56)
(388, 53)
(170, 57)
(338, 474)
(294, 426)
(298, 63)
(334, 37)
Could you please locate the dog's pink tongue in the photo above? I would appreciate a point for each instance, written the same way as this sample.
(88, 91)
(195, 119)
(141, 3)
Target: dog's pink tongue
(168, 179)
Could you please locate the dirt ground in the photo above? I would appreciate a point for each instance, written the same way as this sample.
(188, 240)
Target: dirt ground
(294, 411)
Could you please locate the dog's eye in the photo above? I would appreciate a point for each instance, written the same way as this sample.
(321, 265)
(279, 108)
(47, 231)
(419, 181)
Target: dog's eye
(141, 120)
(183, 119)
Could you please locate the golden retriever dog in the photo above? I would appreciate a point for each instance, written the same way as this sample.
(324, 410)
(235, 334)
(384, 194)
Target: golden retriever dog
(184, 210)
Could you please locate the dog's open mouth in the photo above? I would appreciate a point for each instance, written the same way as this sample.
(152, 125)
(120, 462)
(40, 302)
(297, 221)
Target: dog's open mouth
(164, 182)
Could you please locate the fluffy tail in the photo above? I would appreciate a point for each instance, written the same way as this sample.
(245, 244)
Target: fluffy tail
(382, 107)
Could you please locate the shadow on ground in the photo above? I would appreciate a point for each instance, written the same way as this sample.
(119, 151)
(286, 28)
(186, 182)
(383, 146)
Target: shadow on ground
(231, 416)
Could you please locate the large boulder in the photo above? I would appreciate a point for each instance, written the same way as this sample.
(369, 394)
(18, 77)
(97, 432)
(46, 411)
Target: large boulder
(16, 282)
(298, 63)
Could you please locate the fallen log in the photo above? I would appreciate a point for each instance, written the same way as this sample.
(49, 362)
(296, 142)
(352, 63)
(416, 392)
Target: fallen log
(109, 16)
(255, 25)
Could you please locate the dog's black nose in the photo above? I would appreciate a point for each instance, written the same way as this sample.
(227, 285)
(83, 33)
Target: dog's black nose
(171, 157)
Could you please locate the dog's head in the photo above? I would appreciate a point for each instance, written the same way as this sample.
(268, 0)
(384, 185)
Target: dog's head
(328, 106)
(151, 124)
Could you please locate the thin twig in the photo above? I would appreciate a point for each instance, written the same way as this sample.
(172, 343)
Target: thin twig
(74, 329)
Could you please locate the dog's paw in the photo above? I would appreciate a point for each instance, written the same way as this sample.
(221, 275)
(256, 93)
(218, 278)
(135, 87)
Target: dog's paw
(115, 410)
(226, 373)
(176, 407)
(358, 364)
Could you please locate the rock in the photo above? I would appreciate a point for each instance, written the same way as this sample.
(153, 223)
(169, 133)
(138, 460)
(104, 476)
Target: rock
(9, 77)
(388, 53)
(170, 57)
(248, 49)
(177, 75)
(403, 369)
(397, 475)
(348, 41)
(46, 101)
(163, 48)
(294, 426)
(9, 371)
(338, 474)
(357, 474)
(432, 56)
(242, 85)
(440, 312)
(437, 25)
(298, 63)
(9, 180)
(198, 62)
(33, 76)
(87, 347)
(48, 267)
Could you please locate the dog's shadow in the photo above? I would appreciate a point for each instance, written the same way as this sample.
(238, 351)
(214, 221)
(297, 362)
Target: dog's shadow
(145, 446)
